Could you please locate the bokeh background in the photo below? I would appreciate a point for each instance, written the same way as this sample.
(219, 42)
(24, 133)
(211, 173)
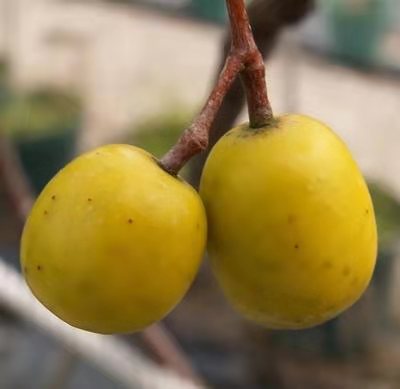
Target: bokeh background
(75, 74)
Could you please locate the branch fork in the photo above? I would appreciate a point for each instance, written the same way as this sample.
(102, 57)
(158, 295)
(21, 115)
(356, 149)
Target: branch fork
(245, 60)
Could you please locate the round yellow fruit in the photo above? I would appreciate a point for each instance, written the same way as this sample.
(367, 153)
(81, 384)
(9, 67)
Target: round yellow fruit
(292, 233)
(113, 242)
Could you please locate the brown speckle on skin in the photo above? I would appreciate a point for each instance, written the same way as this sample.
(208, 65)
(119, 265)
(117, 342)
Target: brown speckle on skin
(89, 200)
(327, 265)
(291, 219)
(38, 267)
(25, 270)
(53, 197)
(346, 271)
(45, 213)
(296, 246)
(85, 286)
(130, 221)
(367, 211)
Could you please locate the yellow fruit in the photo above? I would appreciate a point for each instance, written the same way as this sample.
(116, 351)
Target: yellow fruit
(113, 242)
(292, 233)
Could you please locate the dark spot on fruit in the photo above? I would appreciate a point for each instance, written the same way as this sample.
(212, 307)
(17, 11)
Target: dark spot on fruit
(85, 286)
(130, 221)
(39, 268)
(89, 200)
(346, 271)
(25, 270)
(367, 211)
(327, 265)
(45, 213)
(53, 197)
(291, 219)
(296, 246)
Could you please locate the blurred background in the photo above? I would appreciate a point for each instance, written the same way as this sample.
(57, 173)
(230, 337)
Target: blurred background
(75, 74)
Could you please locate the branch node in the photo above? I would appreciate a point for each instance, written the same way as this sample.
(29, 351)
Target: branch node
(244, 59)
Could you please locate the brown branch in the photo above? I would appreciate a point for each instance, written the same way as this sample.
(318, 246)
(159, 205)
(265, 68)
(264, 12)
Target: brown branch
(157, 338)
(195, 138)
(267, 18)
(243, 58)
(253, 74)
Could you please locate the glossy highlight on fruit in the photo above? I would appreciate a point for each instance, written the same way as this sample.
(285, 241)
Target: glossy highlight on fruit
(292, 232)
(113, 241)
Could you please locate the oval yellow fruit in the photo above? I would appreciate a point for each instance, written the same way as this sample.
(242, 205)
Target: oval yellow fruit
(113, 242)
(292, 232)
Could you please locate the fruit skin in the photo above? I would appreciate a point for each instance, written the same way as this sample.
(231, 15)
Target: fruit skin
(113, 241)
(292, 232)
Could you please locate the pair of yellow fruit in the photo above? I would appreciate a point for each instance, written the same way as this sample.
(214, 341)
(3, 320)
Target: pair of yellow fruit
(114, 242)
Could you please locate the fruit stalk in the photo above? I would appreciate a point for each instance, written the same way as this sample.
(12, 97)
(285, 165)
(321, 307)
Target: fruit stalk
(253, 73)
(244, 59)
(195, 138)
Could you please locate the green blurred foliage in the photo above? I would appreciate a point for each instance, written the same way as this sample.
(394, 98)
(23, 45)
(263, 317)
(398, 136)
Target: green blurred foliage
(212, 10)
(387, 210)
(38, 114)
(43, 126)
(157, 135)
(357, 28)
(3, 70)
(4, 90)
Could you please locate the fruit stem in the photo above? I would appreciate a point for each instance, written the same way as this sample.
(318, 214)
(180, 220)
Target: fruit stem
(253, 73)
(244, 59)
(195, 138)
